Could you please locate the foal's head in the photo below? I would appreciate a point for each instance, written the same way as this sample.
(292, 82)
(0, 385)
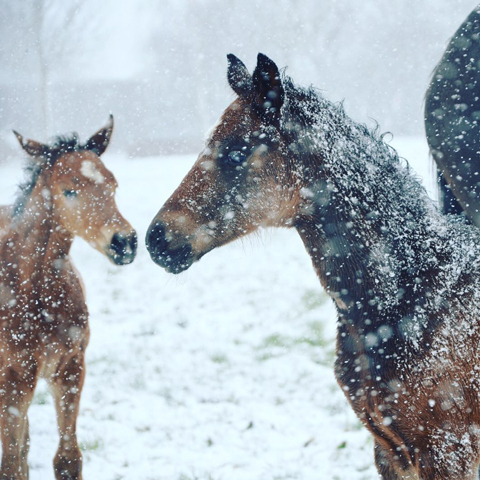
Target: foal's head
(242, 179)
(70, 182)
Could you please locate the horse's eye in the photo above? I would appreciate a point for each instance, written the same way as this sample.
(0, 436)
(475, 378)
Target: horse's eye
(70, 193)
(237, 157)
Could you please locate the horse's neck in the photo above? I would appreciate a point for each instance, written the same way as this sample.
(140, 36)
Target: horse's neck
(340, 257)
(368, 249)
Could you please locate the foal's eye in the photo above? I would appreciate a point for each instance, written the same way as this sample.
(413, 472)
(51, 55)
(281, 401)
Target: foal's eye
(70, 193)
(237, 157)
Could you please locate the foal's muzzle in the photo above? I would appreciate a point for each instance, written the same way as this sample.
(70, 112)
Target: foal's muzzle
(123, 248)
(173, 260)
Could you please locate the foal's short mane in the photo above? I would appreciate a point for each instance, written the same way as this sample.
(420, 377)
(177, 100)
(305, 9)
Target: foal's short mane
(60, 145)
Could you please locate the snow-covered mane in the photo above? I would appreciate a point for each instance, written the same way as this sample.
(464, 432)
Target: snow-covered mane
(326, 139)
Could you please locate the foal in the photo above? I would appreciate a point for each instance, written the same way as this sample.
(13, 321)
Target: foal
(43, 314)
(404, 278)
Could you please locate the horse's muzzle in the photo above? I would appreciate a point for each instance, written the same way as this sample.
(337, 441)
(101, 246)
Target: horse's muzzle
(173, 260)
(123, 248)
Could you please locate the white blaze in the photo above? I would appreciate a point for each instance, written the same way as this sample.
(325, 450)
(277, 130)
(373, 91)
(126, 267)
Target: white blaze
(89, 170)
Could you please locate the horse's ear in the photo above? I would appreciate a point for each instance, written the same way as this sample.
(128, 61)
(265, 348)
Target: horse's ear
(269, 92)
(99, 141)
(238, 77)
(33, 148)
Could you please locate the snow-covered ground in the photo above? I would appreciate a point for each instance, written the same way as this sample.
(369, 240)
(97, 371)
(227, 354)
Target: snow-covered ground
(224, 372)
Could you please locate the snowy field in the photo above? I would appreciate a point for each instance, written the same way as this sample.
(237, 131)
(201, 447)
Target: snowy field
(221, 373)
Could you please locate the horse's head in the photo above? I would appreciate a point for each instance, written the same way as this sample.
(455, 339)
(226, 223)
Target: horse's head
(238, 182)
(80, 192)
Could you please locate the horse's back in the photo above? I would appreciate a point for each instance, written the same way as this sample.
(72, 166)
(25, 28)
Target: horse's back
(452, 116)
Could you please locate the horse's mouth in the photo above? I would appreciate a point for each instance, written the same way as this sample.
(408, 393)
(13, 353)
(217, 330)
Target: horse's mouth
(174, 261)
(121, 259)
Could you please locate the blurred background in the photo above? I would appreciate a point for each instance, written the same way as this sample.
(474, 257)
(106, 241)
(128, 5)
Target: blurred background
(159, 65)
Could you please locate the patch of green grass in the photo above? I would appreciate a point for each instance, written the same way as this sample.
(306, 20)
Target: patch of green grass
(91, 445)
(219, 358)
(273, 346)
(276, 340)
(263, 357)
(327, 358)
(313, 299)
(315, 336)
(41, 397)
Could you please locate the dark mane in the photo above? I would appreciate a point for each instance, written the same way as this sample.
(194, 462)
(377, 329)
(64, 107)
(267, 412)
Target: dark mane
(307, 105)
(59, 145)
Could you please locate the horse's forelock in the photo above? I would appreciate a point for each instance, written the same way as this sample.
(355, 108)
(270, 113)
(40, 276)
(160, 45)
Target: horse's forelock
(59, 146)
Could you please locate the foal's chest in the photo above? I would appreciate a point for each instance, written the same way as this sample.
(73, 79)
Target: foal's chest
(42, 315)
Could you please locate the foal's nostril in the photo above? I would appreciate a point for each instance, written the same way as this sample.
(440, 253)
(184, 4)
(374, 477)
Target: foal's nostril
(119, 244)
(124, 248)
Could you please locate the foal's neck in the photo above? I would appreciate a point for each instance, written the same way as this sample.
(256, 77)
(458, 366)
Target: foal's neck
(37, 239)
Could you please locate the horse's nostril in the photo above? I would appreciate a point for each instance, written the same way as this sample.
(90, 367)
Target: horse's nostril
(119, 244)
(133, 242)
(174, 259)
(155, 241)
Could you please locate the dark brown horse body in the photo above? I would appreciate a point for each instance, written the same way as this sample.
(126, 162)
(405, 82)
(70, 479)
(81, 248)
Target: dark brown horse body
(43, 314)
(452, 120)
(404, 278)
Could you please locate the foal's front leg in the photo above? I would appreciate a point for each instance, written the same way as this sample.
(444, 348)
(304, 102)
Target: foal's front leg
(16, 393)
(66, 388)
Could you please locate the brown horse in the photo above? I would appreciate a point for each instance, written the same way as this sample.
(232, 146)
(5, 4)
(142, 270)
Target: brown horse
(405, 279)
(43, 314)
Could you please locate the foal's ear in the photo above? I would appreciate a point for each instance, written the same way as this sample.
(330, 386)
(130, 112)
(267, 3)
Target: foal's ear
(269, 92)
(238, 77)
(99, 141)
(33, 148)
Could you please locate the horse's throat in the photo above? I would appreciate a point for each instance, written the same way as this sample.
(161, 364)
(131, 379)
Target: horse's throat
(339, 255)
